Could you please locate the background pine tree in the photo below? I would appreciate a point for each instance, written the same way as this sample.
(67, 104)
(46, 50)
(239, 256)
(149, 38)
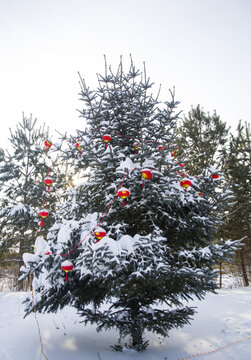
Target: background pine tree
(158, 248)
(23, 168)
(201, 138)
(237, 160)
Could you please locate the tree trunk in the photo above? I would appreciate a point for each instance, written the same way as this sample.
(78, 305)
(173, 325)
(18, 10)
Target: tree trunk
(137, 338)
(21, 252)
(220, 273)
(136, 330)
(243, 268)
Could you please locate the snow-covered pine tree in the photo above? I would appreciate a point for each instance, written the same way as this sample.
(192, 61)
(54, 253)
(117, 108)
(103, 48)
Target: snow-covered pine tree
(201, 138)
(23, 168)
(158, 250)
(237, 170)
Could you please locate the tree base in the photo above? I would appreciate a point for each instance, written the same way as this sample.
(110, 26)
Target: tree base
(137, 347)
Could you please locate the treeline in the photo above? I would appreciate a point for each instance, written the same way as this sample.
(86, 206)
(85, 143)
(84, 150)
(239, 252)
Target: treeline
(203, 141)
(23, 168)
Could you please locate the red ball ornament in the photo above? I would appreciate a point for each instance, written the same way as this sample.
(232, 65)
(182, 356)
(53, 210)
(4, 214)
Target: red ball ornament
(215, 176)
(181, 164)
(136, 147)
(185, 183)
(66, 266)
(123, 193)
(48, 181)
(44, 213)
(200, 193)
(47, 144)
(106, 138)
(78, 146)
(146, 175)
(99, 233)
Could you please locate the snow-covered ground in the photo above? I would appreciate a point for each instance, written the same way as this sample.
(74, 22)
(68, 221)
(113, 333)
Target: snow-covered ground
(221, 319)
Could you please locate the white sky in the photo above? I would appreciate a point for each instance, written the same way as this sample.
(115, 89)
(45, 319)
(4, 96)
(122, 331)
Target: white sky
(202, 47)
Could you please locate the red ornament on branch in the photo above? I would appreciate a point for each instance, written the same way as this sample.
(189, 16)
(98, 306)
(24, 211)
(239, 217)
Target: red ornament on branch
(44, 213)
(123, 193)
(146, 175)
(106, 138)
(79, 148)
(215, 176)
(99, 233)
(185, 183)
(48, 181)
(47, 145)
(136, 147)
(66, 266)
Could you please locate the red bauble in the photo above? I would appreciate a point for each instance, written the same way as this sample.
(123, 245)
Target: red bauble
(66, 266)
(106, 138)
(123, 193)
(185, 183)
(78, 146)
(136, 147)
(181, 164)
(215, 176)
(146, 174)
(44, 213)
(48, 181)
(99, 233)
(47, 144)
(200, 193)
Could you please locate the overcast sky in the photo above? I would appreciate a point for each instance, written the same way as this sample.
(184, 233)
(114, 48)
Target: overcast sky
(202, 47)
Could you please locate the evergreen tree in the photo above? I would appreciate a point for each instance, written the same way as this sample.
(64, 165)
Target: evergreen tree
(201, 138)
(23, 169)
(237, 160)
(151, 254)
